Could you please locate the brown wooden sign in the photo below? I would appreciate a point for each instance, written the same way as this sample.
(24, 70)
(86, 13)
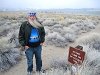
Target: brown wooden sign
(76, 56)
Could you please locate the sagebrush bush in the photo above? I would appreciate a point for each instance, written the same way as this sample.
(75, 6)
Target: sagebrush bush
(91, 63)
(70, 31)
(9, 59)
(48, 22)
(56, 39)
(9, 52)
(93, 40)
(91, 45)
(4, 43)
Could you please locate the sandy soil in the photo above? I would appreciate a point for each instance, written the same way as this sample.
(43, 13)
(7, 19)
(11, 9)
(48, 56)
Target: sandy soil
(47, 54)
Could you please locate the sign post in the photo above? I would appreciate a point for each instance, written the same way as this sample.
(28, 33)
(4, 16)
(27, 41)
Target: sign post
(76, 58)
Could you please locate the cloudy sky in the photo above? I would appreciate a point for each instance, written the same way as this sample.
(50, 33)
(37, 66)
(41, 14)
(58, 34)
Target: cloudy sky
(49, 4)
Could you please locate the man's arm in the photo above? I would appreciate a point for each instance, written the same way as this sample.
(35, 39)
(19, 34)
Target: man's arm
(42, 34)
(22, 35)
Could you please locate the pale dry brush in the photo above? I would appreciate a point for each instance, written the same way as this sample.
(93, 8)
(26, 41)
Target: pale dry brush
(91, 45)
(9, 55)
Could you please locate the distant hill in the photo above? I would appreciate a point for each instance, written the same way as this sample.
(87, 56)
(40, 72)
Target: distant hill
(87, 11)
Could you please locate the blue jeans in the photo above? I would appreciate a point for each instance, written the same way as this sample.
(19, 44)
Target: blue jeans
(29, 55)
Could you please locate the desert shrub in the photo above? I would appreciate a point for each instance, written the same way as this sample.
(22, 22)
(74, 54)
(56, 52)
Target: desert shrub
(10, 41)
(91, 63)
(68, 34)
(91, 45)
(56, 39)
(4, 27)
(70, 37)
(9, 59)
(4, 43)
(69, 27)
(9, 55)
(93, 40)
(59, 30)
(4, 32)
(57, 26)
(47, 30)
(48, 23)
(9, 17)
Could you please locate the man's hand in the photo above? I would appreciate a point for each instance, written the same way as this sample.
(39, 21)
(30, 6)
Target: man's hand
(43, 44)
(26, 47)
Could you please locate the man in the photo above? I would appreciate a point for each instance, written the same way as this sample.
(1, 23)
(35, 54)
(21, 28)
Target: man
(32, 37)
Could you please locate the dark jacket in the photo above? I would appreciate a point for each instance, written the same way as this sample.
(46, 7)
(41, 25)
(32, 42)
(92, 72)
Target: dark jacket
(25, 31)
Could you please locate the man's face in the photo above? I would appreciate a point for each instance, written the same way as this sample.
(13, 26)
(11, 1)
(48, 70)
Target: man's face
(32, 17)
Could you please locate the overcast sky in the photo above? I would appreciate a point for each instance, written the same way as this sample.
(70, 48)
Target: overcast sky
(48, 4)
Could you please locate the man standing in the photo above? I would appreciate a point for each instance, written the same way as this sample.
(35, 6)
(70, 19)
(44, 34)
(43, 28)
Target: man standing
(32, 37)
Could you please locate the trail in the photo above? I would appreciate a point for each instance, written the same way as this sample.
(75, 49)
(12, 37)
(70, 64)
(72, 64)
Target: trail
(48, 53)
